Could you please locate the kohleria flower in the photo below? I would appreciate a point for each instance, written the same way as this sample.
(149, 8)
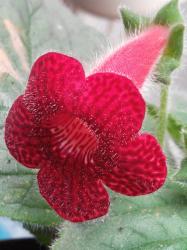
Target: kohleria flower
(83, 132)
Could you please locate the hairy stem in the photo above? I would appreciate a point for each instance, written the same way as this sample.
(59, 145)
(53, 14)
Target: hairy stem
(162, 119)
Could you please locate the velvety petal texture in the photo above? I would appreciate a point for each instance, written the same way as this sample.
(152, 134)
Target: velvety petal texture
(112, 105)
(83, 133)
(23, 138)
(141, 168)
(70, 193)
(54, 84)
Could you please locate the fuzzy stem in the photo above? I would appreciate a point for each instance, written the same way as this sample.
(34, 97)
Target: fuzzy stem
(162, 118)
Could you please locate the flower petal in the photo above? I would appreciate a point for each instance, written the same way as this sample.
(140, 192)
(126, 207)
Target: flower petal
(141, 170)
(71, 193)
(55, 82)
(112, 106)
(22, 137)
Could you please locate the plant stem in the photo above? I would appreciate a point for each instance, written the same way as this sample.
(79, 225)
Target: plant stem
(162, 118)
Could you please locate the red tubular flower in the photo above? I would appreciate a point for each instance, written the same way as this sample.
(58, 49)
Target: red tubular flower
(83, 133)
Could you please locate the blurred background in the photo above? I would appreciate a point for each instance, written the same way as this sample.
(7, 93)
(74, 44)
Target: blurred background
(103, 15)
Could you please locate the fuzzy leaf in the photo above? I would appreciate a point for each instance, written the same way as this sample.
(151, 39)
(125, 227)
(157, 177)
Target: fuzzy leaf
(19, 196)
(28, 30)
(44, 236)
(133, 22)
(169, 14)
(170, 59)
(156, 221)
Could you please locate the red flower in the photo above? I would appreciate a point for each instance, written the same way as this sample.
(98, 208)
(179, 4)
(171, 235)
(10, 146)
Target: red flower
(82, 133)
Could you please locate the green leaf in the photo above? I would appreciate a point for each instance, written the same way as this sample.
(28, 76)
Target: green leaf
(10, 89)
(174, 126)
(29, 29)
(181, 175)
(152, 110)
(185, 137)
(175, 129)
(44, 235)
(170, 59)
(19, 195)
(133, 22)
(156, 221)
(36, 32)
(169, 14)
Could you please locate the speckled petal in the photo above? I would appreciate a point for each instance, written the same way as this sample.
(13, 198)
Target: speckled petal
(70, 192)
(23, 138)
(55, 83)
(141, 168)
(112, 106)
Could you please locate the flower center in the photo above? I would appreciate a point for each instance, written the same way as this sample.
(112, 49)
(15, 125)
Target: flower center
(73, 138)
